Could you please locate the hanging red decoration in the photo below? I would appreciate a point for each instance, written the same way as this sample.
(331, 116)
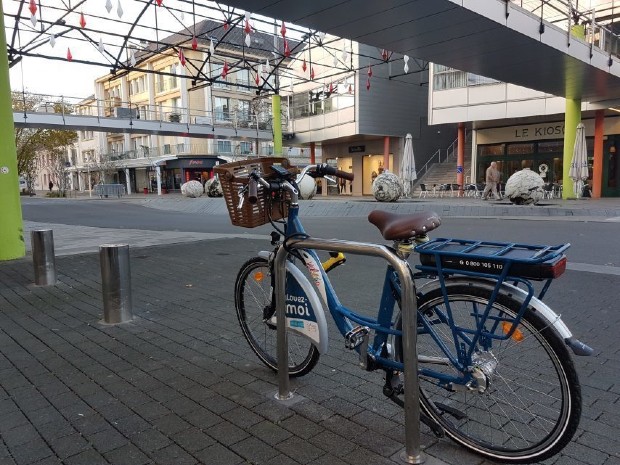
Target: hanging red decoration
(247, 29)
(287, 50)
(69, 56)
(194, 43)
(304, 67)
(159, 2)
(182, 57)
(283, 30)
(257, 79)
(385, 54)
(33, 7)
(312, 73)
(226, 25)
(82, 20)
(225, 70)
(370, 71)
(368, 84)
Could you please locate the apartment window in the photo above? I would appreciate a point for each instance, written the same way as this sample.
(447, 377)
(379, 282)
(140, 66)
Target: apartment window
(448, 78)
(173, 79)
(445, 77)
(216, 73)
(245, 148)
(224, 146)
(222, 109)
(243, 80)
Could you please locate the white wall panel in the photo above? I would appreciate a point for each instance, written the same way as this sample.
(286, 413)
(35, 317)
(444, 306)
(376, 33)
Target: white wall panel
(486, 94)
(450, 98)
(486, 112)
(514, 92)
(525, 108)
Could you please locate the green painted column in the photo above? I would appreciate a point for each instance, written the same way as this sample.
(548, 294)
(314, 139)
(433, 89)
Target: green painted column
(572, 118)
(11, 225)
(277, 125)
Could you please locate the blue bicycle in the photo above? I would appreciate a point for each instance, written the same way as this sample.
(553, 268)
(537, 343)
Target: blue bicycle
(494, 362)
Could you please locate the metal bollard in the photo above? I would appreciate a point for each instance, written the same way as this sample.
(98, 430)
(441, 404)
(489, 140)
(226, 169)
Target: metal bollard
(42, 241)
(115, 283)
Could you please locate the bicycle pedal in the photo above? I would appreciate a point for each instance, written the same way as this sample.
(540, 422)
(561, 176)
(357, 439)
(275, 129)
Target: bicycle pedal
(356, 336)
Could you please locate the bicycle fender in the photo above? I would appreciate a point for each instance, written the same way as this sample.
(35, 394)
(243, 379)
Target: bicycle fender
(304, 311)
(554, 320)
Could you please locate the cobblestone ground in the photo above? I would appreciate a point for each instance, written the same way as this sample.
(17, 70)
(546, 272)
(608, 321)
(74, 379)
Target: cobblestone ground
(179, 385)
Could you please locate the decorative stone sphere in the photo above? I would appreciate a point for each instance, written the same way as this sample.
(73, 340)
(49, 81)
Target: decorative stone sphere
(525, 187)
(307, 187)
(213, 187)
(387, 187)
(191, 189)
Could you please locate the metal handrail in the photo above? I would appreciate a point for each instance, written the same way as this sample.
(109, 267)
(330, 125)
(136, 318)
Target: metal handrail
(422, 171)
(564, 14)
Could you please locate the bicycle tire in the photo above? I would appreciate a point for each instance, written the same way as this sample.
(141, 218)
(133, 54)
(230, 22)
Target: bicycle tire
(253, 297)
(537, 414)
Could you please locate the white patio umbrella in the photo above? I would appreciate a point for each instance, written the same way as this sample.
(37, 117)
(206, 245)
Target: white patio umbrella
(407, 167)
(579, 164)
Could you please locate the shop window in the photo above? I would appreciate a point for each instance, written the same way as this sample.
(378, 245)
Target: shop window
(521, 149)
(552, 146)
(496, 149)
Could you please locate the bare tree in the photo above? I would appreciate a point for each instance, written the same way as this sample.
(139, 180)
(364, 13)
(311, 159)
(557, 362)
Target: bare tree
(106, 169)
(32, 142)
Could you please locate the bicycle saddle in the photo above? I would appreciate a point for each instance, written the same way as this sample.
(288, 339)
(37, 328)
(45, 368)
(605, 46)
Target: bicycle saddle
(399, 227)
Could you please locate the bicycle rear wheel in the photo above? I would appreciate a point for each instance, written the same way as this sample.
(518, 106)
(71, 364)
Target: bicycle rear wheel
(530, 404)
(253, 302)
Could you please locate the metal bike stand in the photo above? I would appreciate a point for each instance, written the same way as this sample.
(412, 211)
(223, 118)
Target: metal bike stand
(43, 257)
(412, 452)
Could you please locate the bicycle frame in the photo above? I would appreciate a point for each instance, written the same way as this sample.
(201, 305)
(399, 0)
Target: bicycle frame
(464, 339)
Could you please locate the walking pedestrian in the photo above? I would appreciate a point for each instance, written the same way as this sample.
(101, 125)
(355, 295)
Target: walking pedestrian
(50, 185)
(492, 179)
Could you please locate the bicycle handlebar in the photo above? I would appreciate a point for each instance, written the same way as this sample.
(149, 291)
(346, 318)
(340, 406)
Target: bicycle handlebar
(252, 190)
(325, 169)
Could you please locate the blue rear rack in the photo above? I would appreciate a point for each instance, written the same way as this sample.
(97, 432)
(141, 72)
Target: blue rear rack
(492, 259)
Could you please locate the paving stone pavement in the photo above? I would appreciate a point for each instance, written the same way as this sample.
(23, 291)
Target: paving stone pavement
(179, 384)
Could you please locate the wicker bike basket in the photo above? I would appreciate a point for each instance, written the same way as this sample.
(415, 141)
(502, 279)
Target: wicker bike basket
(235, 176)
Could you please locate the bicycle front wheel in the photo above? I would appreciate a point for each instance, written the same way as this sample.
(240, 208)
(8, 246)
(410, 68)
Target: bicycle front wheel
(253, 302)
(526, 402)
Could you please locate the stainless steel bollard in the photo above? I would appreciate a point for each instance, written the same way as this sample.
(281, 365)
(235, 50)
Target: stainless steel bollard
(43, 258)
(115, 283)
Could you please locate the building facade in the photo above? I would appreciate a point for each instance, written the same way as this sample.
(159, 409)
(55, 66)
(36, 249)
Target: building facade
(518, 127)
(157, 88)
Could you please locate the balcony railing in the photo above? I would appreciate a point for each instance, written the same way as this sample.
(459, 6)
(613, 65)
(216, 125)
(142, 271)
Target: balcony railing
(228, 148)
(114, 107)
(577, 22)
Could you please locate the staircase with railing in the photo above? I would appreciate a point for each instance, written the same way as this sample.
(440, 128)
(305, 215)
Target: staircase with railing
(441, 167)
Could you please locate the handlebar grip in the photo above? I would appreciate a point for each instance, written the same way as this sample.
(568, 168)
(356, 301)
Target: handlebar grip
(345, 175)
(252, 191)
(324, 169)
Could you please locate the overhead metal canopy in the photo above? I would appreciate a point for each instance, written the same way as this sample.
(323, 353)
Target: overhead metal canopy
(492, 38)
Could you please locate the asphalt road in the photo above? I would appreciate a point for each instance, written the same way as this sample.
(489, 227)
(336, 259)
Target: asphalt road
(591, 242)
